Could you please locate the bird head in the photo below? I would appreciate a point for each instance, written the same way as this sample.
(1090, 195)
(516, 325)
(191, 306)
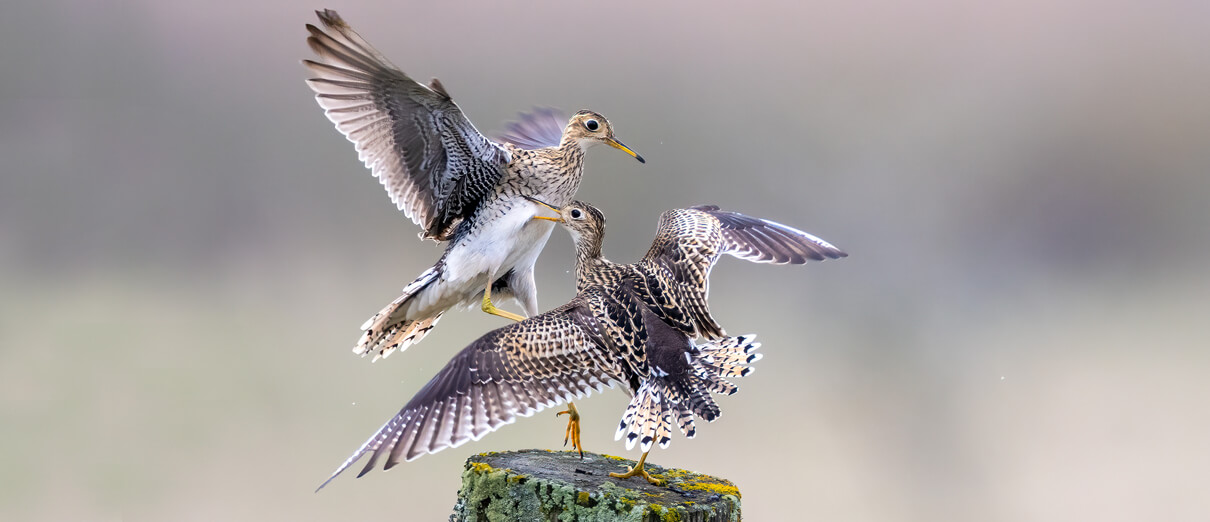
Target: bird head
(589, 128)
(585, 222)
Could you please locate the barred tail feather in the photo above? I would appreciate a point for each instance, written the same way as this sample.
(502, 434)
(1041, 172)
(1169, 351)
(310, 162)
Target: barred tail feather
(642, 415)
(385, 339)
(659, 403)
(390, 329)
(664, 399)
(731, 352)
(726, 358)
(713, 382)
(685, 422)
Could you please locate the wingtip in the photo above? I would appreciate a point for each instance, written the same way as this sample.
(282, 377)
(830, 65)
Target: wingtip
(330, 18)
(334, 475)
(321, 486)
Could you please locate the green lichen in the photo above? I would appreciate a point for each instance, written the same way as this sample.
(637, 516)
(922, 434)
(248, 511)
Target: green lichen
(667, 514)
(719, 488)
(492, 491)
(690, 481)
(480, 467)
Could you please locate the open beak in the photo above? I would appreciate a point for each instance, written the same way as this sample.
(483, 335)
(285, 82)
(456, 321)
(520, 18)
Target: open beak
(618, 145)
(547, 205)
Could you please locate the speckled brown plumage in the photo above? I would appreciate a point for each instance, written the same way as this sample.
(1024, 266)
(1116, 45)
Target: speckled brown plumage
(453, 181)
(602, 337)
(616, 331)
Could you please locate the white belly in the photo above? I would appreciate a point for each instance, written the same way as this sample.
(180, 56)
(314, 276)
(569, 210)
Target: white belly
(498, 246)
(512, 240)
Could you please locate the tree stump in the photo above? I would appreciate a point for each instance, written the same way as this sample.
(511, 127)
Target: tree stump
(544, 485)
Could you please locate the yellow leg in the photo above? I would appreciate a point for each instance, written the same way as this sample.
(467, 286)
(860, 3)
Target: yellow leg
(638, 470)
(491, 308)
(573, 428)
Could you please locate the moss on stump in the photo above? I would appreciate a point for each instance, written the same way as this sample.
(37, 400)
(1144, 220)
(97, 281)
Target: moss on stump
(543, 485)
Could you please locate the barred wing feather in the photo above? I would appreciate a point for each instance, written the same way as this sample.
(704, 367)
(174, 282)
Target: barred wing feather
(434, 164)
(513, 371)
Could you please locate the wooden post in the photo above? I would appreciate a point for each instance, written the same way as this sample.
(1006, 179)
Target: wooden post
(543, 485)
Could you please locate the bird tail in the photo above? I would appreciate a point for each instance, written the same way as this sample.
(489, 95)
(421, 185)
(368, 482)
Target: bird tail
(390, 329)
(665, 399)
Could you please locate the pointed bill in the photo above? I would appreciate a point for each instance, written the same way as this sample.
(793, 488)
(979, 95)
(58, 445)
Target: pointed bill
(557, 219)
(622, 147)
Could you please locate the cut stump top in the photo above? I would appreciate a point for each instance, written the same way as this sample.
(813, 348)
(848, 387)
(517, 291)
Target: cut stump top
(541, 485)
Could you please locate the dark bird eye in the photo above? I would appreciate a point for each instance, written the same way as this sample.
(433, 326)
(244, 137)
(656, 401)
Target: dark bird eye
(591, 125)
(575, 212)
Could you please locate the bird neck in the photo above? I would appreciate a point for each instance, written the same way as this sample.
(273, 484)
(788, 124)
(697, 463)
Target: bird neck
(571, 149)
(589, 258)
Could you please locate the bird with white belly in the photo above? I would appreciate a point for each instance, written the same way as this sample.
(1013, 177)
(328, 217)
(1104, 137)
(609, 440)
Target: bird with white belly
(453, 181)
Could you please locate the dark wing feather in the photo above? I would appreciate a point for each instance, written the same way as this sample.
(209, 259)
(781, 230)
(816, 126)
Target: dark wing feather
(434, 164)
(689, 242)
(763, 241)
(540, 128)
(512, 371)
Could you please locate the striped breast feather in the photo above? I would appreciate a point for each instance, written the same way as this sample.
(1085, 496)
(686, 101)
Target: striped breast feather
(511, 372)
(434, 164)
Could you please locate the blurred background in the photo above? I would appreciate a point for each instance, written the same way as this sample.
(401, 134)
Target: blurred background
(187, 248)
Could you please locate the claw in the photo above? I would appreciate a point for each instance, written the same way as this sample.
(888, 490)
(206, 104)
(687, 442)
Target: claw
(638, 470)
(573, 428)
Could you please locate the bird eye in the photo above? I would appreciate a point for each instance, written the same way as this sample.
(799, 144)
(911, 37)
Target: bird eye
(591, 125)
(575, 212)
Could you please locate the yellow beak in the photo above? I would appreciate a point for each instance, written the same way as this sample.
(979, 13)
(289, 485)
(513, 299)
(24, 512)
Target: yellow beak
(618, 145)
(547, 205)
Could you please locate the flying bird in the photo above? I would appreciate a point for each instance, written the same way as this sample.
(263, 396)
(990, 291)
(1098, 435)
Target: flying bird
(457, 184)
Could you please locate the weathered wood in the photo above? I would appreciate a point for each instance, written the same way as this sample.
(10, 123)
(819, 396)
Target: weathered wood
(543, 485)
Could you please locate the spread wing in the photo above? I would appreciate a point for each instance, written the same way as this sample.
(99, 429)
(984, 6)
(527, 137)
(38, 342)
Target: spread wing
(689, 242)
(434, 164)
(763, 241)
(513, 371)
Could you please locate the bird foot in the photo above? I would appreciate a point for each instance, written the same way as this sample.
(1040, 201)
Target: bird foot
(573, 428)
(638, 470)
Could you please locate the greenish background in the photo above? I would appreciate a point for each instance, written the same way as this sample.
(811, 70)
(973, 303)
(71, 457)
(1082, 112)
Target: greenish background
(187, 247)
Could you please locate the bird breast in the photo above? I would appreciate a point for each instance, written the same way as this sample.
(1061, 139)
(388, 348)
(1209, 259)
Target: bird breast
(497, 243)
(552, 175)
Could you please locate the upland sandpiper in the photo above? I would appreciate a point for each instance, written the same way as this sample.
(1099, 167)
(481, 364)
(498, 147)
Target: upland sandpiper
(602, 337)
(673, 279)
(610, 334)
(450, 179)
